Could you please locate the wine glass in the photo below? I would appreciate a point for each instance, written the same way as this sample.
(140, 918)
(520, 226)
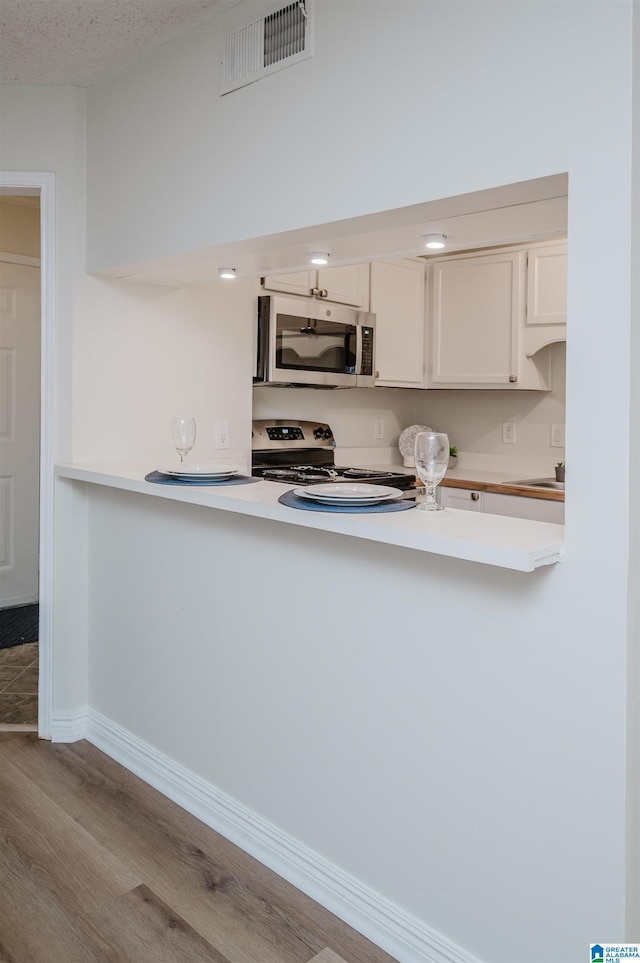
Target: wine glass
(183, 435)
(432, 458)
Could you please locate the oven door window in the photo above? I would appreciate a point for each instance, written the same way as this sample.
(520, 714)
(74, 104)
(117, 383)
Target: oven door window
(306, 344)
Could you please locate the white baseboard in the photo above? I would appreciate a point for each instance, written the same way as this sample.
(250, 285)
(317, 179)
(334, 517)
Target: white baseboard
(397, 932)
(69, 726)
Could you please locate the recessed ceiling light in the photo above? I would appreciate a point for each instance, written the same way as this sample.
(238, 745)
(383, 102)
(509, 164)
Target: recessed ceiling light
(319, 257)
(226, 272)
(434, 241)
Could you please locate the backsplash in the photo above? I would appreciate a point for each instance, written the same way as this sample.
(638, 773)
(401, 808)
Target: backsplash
(351, 412)
(472, 419)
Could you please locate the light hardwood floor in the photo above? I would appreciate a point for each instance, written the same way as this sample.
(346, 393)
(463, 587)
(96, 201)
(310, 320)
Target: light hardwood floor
(97, 866)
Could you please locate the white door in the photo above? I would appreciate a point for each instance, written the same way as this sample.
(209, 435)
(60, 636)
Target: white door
(19, 432)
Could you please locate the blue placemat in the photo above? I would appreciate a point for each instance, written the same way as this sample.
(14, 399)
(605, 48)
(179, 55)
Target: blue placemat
(158, 479)
(294, 501)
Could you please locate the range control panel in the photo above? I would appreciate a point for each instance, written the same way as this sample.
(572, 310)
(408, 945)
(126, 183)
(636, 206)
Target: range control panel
(286, 433)
(276, 433)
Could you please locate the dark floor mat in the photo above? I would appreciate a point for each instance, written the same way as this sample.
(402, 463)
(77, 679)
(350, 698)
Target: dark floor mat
(18, 625)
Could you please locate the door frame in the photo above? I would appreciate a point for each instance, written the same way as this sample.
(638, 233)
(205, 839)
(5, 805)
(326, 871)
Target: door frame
(42, 184)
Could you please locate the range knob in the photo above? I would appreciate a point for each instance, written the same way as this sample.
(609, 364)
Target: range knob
(318, 433)
(327, 433)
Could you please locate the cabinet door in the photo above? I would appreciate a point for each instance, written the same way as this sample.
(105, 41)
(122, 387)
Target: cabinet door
(476, 315)
(547, 285)
(517, 506)
(299, 283)
(546, 318)
(346, 285)
(469, 501)
(398, 302)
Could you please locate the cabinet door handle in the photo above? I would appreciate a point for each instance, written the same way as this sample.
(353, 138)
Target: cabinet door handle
(316, 292)
(324, 293)
(475, 496)
(513, 379)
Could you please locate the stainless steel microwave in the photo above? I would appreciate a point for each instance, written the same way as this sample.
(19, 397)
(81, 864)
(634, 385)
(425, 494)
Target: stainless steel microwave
(305, 342)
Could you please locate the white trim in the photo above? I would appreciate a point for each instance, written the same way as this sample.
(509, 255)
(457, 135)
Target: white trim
(24, 259)
(43, 183)
(387, 925)
(69, 726)
(18, 600)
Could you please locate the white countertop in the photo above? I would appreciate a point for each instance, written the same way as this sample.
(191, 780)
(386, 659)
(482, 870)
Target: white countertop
(513, 543)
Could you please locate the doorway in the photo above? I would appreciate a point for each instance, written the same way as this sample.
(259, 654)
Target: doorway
(19, 457)
(26, 470)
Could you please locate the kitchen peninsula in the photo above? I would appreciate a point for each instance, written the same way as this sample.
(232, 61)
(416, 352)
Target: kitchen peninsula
(512, 543)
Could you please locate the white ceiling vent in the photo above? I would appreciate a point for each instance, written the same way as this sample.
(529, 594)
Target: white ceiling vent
(279, 39)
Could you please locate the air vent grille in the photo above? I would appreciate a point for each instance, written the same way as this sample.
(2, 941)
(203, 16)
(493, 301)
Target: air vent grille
(277, 40)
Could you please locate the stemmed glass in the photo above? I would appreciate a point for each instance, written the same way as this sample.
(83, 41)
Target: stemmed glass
(183, 435)
(432, 458)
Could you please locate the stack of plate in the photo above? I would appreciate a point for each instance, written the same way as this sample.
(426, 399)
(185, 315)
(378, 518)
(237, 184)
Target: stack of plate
(342, 493)
(204, 472)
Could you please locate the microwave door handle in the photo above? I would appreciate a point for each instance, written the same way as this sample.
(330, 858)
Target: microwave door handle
(262, 346)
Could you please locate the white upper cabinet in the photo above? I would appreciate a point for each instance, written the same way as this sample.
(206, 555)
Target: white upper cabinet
(546, 319)
(477, 314)
(398, 302)
(299, 283)
(344, 285)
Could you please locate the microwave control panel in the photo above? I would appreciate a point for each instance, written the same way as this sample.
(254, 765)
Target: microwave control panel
(367, 351)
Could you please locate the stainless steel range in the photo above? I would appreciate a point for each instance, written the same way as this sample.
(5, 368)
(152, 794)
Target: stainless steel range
(302, 453)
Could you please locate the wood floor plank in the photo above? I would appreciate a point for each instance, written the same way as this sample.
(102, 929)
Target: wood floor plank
(79, 871)
(327, 956)
(34, 927)
(138, 927)
(238, 905)
(199, 888)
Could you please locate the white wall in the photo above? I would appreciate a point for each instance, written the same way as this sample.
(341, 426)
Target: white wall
(481, 818)
(147, 353)
(42, 129)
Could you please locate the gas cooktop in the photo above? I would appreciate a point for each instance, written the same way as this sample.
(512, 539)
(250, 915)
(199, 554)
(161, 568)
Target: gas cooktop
(302, 453)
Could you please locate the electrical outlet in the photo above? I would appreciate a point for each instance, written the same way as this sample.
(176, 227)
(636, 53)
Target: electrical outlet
(508, 432)
(221, 432)
(378, 427)
(557, 436)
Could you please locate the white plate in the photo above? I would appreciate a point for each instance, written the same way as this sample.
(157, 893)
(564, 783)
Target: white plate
(353, 491)
(201, 471)
(350, 490)
(387, 495)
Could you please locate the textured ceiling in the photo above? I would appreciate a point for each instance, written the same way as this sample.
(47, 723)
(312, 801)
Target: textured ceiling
(82, 42)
